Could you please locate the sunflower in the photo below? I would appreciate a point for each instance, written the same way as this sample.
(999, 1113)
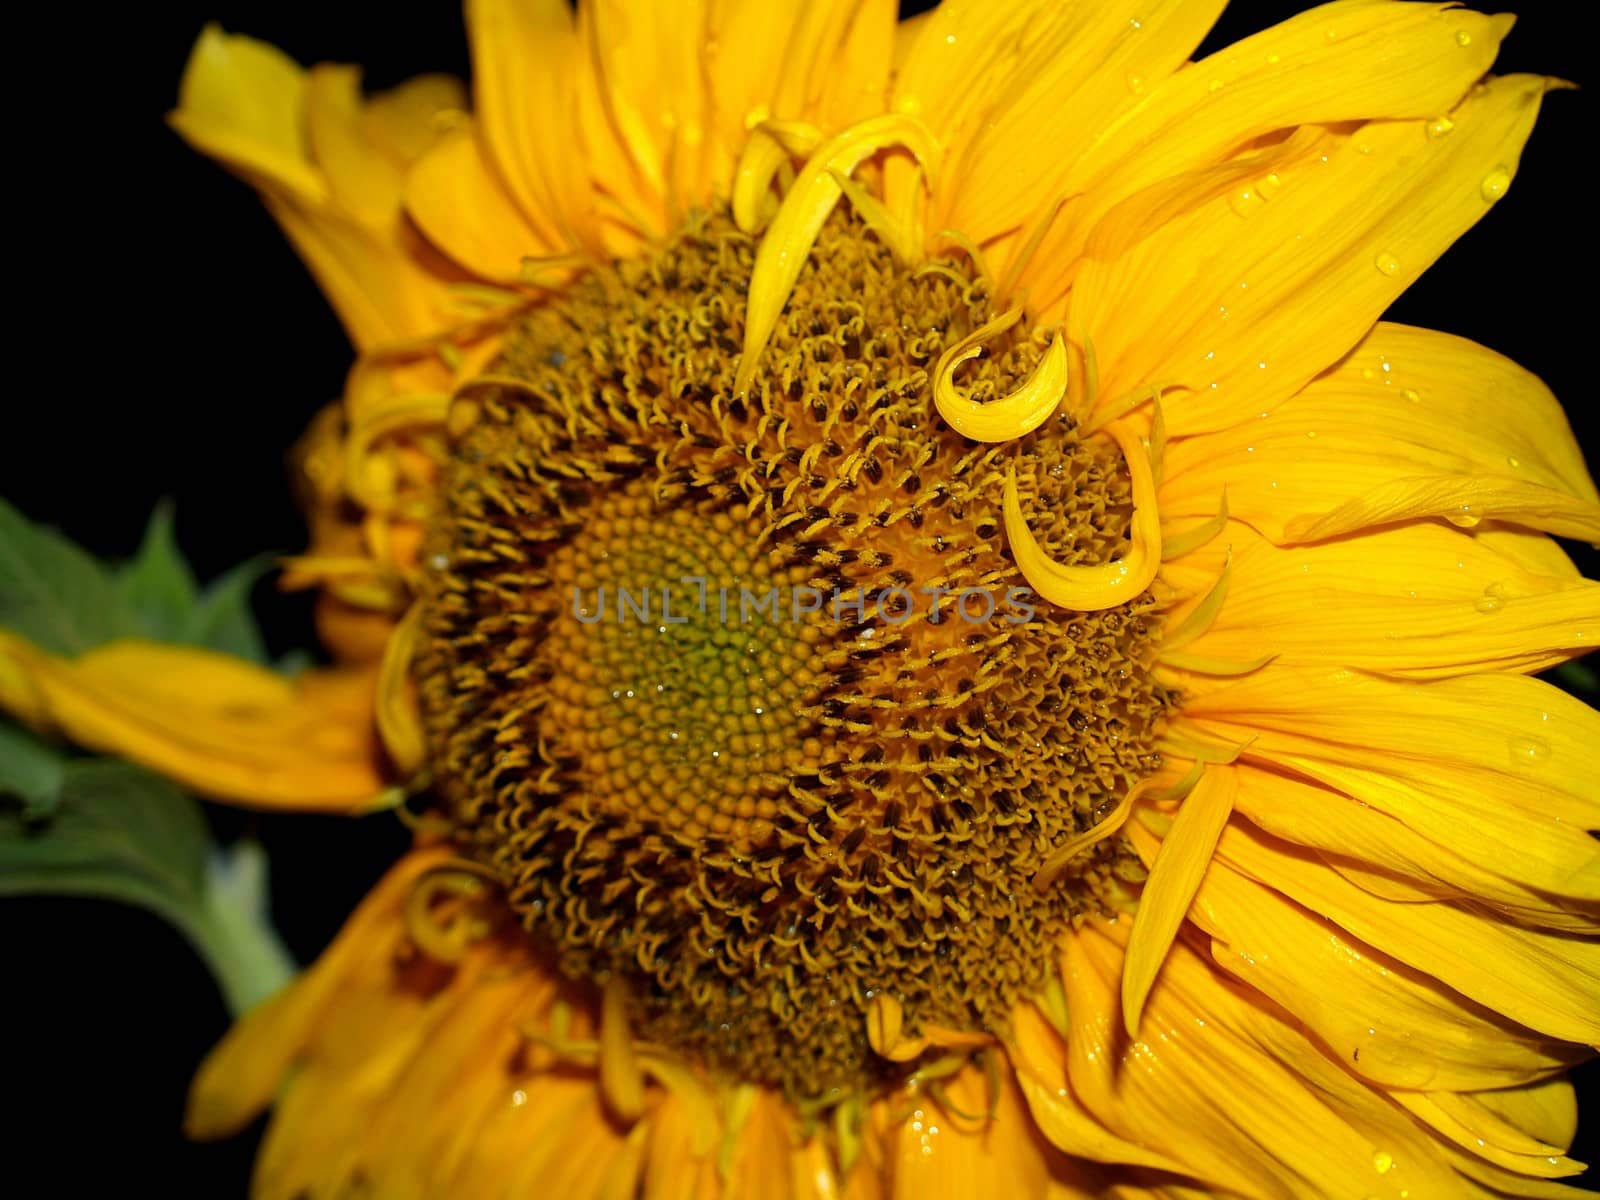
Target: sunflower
(944, 647)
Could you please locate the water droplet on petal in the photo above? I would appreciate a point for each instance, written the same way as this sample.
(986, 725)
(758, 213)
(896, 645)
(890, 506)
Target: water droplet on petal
(1488, 604)
(1529, 749)
(1215, 85)
(1411, 395)
(1387, 263)
(1495, 184)
(1269, 185)
(1382, 1161)
(1135, 82)
(1244, 203)
(1464, 518)
(1440, 126)
(1463, 38)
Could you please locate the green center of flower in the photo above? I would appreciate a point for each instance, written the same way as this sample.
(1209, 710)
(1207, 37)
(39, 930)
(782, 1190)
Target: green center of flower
(742, 696)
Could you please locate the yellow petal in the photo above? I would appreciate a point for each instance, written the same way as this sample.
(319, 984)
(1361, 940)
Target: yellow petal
(1442, 864)
(458, 202)
(1244, 310)
(1092, 588)
(1039, 1060)
(525, 58)
(1346, 61)
(1019, 412)
(1420, 600)
(800, 218)
(997, 81)
(1412, 424)
(221, 726)
(244, 102)
(240, 1076)
(1497, 765)
(1386, 1022)
(1547, 982)
(1175, 876)
(328, 166)
(1274, 1131)
(1461, 1125)
(1546, 1111)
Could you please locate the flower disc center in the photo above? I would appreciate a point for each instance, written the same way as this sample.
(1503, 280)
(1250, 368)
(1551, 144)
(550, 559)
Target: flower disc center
(678, 682)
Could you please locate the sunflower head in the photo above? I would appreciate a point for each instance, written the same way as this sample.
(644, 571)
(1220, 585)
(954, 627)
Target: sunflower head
(742, 693)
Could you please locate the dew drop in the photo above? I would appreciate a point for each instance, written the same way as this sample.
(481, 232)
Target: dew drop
(1487, 604)
(1411, 395)
(1382, 1162)
(1215, 85)
(1244, 203)
(1463, 38)
(1269, 185)
(1135, 82)
(1387, 263)
(1529, 749)
(1464, 518)
(1513, 461)
(1439, 127)
(1494, 184)
(1274, 59)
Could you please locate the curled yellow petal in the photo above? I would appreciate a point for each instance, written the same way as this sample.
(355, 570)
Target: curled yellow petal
(771, 144)
(223, 727)
(1106, 585)
(396, 710)
(802, 214)
(886, 1033)
(394, 413)
(1021, 412)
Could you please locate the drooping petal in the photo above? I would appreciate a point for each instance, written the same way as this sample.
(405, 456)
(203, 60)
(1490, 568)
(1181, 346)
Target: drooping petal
(224, 727)
(329, 167)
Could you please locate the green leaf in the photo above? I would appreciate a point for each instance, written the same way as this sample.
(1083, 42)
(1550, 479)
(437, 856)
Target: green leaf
(221, 619)
(157, 590)
(31, 770)
(120, 833)
(62, 600)
(52, 593)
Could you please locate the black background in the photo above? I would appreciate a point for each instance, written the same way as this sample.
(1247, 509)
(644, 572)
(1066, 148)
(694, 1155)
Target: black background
(182, 349)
